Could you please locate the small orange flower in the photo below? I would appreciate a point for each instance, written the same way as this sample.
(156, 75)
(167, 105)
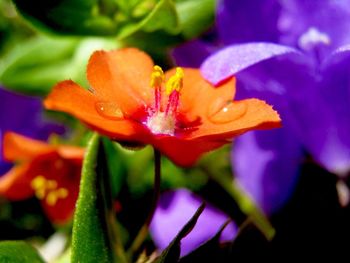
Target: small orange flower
(51, 173)
(178, 112)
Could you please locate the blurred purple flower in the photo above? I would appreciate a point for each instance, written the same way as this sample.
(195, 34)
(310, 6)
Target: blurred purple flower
(319, 103)
(175, 209)
(307, 81)
(23, 114)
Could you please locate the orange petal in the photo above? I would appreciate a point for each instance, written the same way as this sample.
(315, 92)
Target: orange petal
(235, 118)
(15, 184)
(122, 76)
(197, 93)
(63, 209)
(69, 97)
(17, 147)
(185, 152)
(71, 152)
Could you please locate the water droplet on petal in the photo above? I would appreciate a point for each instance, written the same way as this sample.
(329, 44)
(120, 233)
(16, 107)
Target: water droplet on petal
(109, 110)
(226, 111)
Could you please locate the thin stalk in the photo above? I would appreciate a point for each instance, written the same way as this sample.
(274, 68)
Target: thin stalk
(142, 234)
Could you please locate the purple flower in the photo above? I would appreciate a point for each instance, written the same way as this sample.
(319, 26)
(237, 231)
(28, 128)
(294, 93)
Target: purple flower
(175, 209)
(304, 74)
(23, 114)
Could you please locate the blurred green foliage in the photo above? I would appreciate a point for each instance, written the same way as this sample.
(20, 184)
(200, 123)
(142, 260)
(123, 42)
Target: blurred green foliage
(52, 40)
(18, 251)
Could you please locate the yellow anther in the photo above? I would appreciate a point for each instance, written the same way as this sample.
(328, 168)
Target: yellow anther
(62, 193)
(47, 189)
(38, 182)
(51, 184)
(175, 82)
(53, 196)
(40, 193)
(157, 77)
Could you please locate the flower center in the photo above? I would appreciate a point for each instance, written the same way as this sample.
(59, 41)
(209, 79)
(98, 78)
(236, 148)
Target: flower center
(163, 121)
(46, 189)
(313, 38)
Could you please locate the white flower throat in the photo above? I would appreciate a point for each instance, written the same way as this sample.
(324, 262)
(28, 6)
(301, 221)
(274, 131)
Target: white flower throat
(162, 121)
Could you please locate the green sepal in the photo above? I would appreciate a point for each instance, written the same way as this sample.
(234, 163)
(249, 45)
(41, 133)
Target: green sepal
(91, 238)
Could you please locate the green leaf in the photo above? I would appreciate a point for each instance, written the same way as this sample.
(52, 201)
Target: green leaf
(162, 17)
(18, 251)
(91, 240)
(34, 68)
(172, 253)
(81, 17)
(103, 18)
(195, 16)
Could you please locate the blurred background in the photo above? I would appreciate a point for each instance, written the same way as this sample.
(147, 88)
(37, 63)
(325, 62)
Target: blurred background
(298, 176)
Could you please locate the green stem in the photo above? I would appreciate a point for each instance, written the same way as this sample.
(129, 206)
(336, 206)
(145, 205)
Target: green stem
(141, 236)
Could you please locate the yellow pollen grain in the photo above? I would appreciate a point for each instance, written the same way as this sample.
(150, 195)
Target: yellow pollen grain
(175, 82)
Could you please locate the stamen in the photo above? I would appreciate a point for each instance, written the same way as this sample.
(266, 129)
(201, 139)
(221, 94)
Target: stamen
(38, 182)
(39, 186)
(47, 189)
(175, 82)
(173, 88)
(160, 122)
(51, 184)
(157, 78)
(53, 196)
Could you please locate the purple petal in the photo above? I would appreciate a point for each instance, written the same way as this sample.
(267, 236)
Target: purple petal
(232, 59)
(336, 57)
(175, 210)
(322, 113)
(192, 54)
(248, 20)
(327, 17)
(23, 114)
(266, 165)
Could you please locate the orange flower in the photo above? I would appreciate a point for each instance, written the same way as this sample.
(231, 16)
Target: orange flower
(184, 118)
(51, 173)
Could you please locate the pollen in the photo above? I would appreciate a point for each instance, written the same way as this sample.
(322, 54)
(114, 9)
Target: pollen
(161, 123)
(175, 82)
(54, 196)
(157, 77)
